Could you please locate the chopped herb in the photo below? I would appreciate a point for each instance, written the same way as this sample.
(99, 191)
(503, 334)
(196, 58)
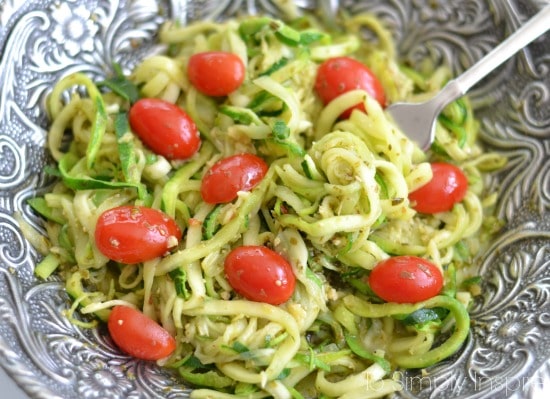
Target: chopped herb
(423, 316)
(285, 373)
(281, 135)
(120, 85)
(179, 276)
(239, 347)
(311, 36)
(280, 130)
(471, 281)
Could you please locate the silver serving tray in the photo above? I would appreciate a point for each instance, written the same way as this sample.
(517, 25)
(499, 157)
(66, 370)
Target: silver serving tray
(508, 351)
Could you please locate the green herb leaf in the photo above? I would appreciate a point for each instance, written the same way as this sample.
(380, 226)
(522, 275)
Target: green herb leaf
(120, 85)
(239, 347)
(179, 276)
(311, 36)
(193, 362)
(285, 373)
(471, 281)
(423, 316)
(281, 135)
(280, 130)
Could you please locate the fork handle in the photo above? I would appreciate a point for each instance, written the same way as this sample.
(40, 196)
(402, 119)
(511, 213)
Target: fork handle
(531, 30)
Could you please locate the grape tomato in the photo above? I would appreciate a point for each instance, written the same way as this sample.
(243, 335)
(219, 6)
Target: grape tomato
(165, 128)
(241, 172)
(138, 335)
(260, 274)
(216, 73)
(339, 75)
(405, 279)
(447, 187)
(132, 234)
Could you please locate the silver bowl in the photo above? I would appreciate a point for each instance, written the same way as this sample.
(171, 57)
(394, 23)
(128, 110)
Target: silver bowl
(508, 351)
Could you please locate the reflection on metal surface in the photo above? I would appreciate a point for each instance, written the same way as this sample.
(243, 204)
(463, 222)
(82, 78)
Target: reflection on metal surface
(507, 353)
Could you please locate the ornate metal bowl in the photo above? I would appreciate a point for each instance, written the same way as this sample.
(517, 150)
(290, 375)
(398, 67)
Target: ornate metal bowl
(508, 351)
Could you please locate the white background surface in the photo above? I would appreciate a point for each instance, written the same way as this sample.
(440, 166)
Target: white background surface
(9, 389)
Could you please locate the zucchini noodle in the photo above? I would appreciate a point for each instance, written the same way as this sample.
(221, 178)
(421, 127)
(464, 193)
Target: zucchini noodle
(334, 203)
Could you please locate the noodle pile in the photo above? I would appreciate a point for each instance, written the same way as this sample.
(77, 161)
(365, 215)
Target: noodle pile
(334, 202)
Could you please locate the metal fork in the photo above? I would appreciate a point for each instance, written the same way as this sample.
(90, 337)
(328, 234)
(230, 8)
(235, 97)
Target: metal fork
(417, 120)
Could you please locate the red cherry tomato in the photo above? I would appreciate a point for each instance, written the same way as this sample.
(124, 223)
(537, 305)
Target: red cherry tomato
(138, 335)
(216, 73)
(406, 279)
(241, 172)
(447, 187)
(339, 75)
(132, 234)
(165, 128)
(260, 274)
